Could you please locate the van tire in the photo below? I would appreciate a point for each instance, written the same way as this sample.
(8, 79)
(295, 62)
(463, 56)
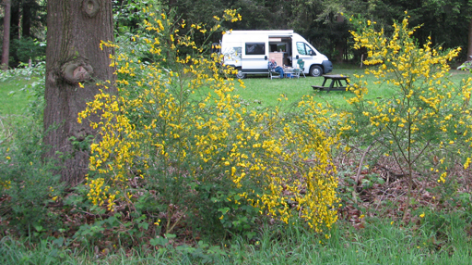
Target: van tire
(316, 70)
(240, 74)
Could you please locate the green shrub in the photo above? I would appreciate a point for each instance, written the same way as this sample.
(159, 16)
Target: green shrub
(24, 49)
(426, 123)
(177, 146)
(27, 185)
(28, 188)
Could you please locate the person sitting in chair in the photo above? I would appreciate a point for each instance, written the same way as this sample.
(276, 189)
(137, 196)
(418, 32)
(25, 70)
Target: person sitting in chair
(274, 68)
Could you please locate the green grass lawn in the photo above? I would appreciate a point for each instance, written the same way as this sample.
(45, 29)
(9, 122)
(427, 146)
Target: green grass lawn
(260, 91)
(264, 92)
(12, 99)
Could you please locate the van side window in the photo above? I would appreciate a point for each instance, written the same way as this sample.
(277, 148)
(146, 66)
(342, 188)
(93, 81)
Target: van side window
(304, 49)
(255, 48)
(232, 54)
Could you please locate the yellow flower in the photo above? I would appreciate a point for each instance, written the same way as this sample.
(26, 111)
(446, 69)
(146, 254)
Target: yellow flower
(198, 132)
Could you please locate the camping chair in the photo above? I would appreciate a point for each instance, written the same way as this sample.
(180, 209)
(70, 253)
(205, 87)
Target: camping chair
(273, 74)
(301, 68)
(296, 72)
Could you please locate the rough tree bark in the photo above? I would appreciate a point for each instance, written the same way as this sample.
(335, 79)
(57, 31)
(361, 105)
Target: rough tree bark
(469, 48)
(6, 35)
(340, 44)
(73, 56)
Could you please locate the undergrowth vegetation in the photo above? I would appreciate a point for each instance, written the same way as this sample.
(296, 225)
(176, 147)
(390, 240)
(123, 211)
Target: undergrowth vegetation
(184, 171)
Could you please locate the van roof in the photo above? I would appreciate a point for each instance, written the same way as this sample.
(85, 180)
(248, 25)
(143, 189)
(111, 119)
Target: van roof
(261, 32)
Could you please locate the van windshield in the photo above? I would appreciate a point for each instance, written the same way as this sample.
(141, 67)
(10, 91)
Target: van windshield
(304, 49)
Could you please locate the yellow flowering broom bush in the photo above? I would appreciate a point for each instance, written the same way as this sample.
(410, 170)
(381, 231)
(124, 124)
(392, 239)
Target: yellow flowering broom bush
(177, 144)
(426, 123)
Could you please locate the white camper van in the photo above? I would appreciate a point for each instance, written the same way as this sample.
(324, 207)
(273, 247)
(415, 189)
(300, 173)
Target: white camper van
(249, 51)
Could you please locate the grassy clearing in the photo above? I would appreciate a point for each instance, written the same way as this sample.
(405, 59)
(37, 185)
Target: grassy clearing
(13, 100)
(260, 91)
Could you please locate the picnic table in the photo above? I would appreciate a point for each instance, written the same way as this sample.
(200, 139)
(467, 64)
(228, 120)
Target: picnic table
(335, 83)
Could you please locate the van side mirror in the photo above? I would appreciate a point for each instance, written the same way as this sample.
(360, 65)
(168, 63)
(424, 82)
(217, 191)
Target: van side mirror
(265, 57)
(297, 57)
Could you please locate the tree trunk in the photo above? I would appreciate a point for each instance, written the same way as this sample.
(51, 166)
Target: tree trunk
(469, 49)
(26, 19)
(6, 35)
(340, 44)
(15, 20)
(73, 56)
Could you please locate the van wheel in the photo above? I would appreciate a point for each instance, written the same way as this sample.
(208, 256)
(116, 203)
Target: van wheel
(316, 70)
(240, 74)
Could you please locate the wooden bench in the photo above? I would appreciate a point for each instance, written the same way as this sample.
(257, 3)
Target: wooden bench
(322, 88)
(318, 87)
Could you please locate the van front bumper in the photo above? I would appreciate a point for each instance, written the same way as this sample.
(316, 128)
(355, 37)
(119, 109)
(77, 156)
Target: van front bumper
(327, 66)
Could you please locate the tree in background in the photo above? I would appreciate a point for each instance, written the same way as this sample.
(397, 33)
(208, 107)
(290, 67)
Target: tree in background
(445, 21)
(469, 41)
(27, 16)
(26, 31)
(6, 35)
(319, 21)
(75, 63)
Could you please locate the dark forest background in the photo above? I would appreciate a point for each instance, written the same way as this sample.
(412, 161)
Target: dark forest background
(324, 23)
